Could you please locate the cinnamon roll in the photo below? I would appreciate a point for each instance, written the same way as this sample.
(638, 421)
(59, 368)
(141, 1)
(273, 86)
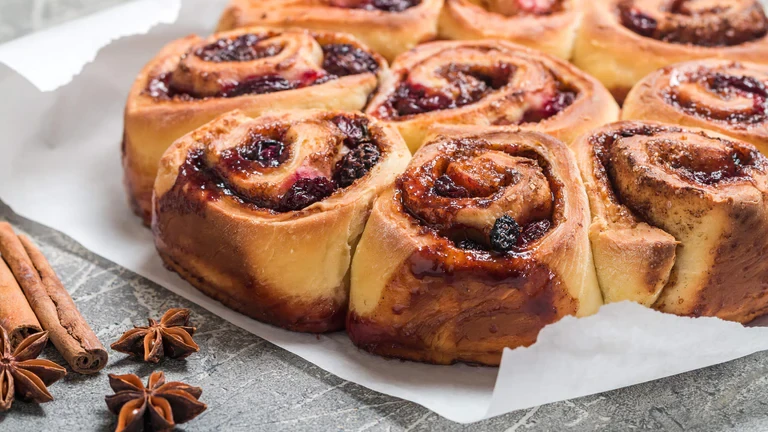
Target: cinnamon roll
(479, 244)
(719, 95)
(621, 41)
(489, 83)
(390, 27)
(193, 80)
(545, 25)
(679, 218)
(263, 214)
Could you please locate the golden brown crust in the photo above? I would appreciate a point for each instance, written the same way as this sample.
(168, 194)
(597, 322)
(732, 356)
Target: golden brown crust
(678, 218)
(620, 57)
(179, 91)
(719, 95)
(388, 33)
(228, 225)
(489, 83)
(550, 27)
(426, 283)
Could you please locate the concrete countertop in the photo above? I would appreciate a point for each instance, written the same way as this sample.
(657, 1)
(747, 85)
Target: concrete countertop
(249, 384)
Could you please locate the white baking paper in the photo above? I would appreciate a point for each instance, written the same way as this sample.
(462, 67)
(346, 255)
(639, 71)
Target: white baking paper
(60, 166)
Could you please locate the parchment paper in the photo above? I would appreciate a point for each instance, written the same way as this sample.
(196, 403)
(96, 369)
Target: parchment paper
(60, 166)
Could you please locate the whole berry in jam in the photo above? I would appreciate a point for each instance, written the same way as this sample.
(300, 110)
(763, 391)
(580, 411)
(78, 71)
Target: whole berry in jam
(306, 191)
(355, 129)
(446, 187)
(356, 163)
(505, 234)
(267, 152)
(344, 59)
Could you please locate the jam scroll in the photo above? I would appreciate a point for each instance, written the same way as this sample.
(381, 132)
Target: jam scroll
(478, 245)
(193, 80)
(719, 95)
(489, 83)
(390, 27)
(263, 214)
(679, 218)
(546, 25)
(621, 41)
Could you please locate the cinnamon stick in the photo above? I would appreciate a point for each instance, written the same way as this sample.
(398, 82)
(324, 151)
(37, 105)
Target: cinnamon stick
(16, 316)
(52, 304)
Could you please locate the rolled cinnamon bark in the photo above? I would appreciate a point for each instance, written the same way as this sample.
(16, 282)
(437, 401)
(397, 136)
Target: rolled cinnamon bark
(16, 316)
(53, 306)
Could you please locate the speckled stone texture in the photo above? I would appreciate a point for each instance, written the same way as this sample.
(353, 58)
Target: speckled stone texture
(251, 385)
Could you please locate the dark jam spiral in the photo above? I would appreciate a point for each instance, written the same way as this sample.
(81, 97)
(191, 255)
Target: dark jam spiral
(471, 177)
(725, 85)
(262, 153)
(702, 23)
(240, 49)
(339, 60)
(466, 85)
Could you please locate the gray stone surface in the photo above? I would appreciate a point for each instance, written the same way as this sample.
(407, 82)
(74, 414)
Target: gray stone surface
(249, 384)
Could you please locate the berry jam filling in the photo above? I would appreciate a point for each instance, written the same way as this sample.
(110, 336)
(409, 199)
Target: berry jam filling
(356, 163)
(727, 87)
(710, 171)
(258, 149)
(446, 187)
(702, 23)
(363, 154)
(240, 49)
(637, 21)
(259, 85)
(306, 191)
(355, 129)
(206, 183)
(344, 59)
(382, 5)
(466, 85)
(560, 101)
(507, 235)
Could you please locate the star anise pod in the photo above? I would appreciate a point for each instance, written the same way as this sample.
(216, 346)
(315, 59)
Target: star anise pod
(22, 374)
(158, 407)
(171, 337)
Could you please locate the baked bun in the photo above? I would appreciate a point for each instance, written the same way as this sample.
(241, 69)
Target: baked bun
(622, 41)
(545, 25)
(679, 218)
(719, 95)
(390, 27)
(263, 214)
(489, 83)
(193, 80)
(478, 245)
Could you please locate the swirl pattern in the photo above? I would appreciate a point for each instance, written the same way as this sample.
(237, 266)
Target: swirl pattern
(489, 83)
(390, 27)
(194, 80)
(616, 33)
(686, 210)
(479, 244)
(546, 25)
(238, 201)
(720, 95)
